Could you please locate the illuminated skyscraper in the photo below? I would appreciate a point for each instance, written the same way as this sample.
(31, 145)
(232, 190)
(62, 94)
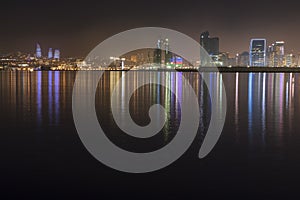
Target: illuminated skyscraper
(50, 53)
(38, 51)
(57, 54)
(158, 52)
(162, 52)
(276, 54)
(257, 55)
(290, 60)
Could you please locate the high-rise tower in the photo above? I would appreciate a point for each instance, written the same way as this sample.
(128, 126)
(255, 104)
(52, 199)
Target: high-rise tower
(50, 53)
(276, 54)
(38, 51)
(57, 54)
(257, 55)
(211, 45)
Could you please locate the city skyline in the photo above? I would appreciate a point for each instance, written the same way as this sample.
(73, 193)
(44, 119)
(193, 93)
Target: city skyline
(212, 46)
(150, 99)
(78, 27)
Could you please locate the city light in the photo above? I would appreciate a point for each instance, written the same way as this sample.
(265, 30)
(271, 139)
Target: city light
(162, 58)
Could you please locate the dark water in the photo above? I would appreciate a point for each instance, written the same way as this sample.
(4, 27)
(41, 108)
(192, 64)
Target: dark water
(257, 156)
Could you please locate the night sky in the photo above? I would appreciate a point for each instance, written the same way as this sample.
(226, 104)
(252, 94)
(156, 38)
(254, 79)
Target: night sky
(76, 27)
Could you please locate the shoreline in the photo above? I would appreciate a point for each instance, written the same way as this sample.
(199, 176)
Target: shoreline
(201, 69)
(252, 69)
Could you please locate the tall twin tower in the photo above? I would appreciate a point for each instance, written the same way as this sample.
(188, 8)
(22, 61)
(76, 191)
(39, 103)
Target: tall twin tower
(50, 53)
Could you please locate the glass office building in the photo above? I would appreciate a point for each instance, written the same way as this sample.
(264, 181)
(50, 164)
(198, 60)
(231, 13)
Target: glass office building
(257, 55)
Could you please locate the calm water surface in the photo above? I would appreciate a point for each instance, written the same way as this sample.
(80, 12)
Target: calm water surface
(258, 154)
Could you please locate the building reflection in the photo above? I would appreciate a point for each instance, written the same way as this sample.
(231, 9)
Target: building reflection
(270, 100)
(262, 106)
(39, 97)
(236, 104)
(36, 97)
(169, 97)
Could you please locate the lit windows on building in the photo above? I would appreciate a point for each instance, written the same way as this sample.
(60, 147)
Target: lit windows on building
(276, 54)
(257, 55)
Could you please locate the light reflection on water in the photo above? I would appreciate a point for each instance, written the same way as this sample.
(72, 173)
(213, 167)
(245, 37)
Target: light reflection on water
(261, 106)
(270, 105)
(258, 152)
